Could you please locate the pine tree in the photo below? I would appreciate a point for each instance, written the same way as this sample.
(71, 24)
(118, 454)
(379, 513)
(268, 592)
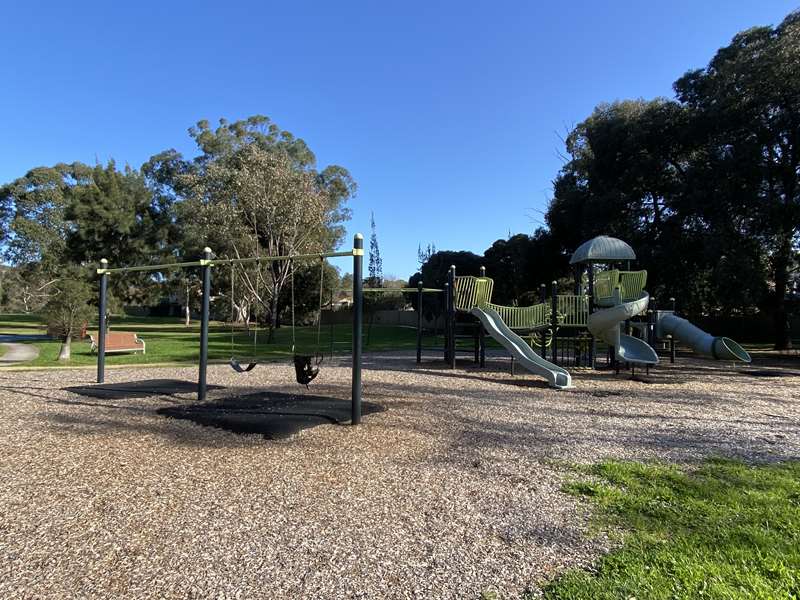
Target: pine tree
(424, 256)
(375, 261)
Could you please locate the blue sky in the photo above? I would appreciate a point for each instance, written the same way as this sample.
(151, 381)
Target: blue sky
(448, 114)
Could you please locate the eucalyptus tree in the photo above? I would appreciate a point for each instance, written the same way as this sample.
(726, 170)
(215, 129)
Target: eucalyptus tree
(253, 189)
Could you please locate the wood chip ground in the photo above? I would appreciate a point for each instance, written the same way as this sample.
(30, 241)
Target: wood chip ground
(453, 490)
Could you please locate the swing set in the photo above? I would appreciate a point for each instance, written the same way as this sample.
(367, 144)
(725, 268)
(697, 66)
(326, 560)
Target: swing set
(307, 366)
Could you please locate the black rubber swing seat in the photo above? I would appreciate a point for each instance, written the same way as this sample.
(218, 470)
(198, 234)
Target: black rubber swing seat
(239, 368)
(306, 367)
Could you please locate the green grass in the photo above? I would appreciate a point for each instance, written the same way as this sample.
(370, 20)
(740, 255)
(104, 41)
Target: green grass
(21, 324)
(726, 530)
(168, 340)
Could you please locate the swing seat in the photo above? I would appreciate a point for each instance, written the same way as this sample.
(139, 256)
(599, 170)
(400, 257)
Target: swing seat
(239, 368)
(306, 367)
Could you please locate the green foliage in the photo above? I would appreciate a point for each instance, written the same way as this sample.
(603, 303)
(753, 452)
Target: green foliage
(375, 262)
(725, 530)
(519, 264)
(706, 187)
(254, 189)
(34, 207)
(115, 217)
(68, 308)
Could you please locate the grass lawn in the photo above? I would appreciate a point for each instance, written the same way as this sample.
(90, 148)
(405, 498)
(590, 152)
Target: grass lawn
(726, 530)
(21, 324)
(168, 340)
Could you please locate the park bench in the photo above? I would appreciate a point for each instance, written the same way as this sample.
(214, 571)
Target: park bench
(119, 341)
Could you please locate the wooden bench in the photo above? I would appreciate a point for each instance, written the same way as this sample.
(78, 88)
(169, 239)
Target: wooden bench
(119, 341)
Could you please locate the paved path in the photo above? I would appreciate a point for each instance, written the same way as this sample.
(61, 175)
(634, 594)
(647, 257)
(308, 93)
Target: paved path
(16, 353)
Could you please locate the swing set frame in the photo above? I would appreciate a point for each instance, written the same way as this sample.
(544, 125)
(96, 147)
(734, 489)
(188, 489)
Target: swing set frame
(206, 264)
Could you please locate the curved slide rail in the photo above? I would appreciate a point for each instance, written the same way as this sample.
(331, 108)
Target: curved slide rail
(605, 324)
(520, 350)
(720, 348)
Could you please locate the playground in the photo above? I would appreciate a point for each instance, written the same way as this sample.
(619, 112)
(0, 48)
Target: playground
(430, 465)
(451, 488)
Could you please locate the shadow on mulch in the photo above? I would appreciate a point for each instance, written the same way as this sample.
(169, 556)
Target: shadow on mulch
(137, 389)
(770, 373)
(275, 415)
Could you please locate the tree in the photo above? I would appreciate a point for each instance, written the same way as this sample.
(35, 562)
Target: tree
(255, 203)
(748, 99)
(34, 207)
(711, 177)
(254, 188)
(375, 262)
(67, 310)
(424, 254)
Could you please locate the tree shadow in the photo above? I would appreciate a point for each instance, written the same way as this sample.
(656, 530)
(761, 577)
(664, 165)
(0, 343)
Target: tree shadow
(145, 388)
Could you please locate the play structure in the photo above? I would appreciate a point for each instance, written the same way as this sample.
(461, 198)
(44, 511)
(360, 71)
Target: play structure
(611, 307)
(306, 366)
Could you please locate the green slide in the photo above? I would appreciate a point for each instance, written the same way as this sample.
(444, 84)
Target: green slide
(556, 376)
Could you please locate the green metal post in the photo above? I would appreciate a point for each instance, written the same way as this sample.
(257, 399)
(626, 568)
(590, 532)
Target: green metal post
(101, 327)
(204, 318)
(358, 308)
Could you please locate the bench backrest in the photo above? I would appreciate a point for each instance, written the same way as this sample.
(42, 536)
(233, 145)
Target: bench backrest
(120, 339)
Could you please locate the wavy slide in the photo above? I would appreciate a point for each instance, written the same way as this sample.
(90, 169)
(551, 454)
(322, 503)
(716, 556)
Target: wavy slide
(719, 348)
(520, 350)
(605, 325)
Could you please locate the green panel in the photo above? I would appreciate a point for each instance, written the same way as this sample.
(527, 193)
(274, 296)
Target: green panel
(472, 292)
(632, 284)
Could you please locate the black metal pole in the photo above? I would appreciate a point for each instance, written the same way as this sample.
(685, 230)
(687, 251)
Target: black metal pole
(483, 346)
(101, 326)
(358, 309)
(593, 342)
(419, 322)
(451, 275)
(446, 313)
(204, 315)
(542, 338)
(554, 318)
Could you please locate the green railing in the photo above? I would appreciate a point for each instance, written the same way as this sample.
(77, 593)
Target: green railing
(605, 282)
(632, 284)
(523, 317)
(573, 311)
(472, 291)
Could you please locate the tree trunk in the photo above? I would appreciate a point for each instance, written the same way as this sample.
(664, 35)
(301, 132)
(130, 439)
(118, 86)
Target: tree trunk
(187, 316)
(273, 314)
(66, 347)
(783, 340)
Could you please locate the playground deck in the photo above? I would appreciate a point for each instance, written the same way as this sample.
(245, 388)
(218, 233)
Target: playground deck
(452, 489)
